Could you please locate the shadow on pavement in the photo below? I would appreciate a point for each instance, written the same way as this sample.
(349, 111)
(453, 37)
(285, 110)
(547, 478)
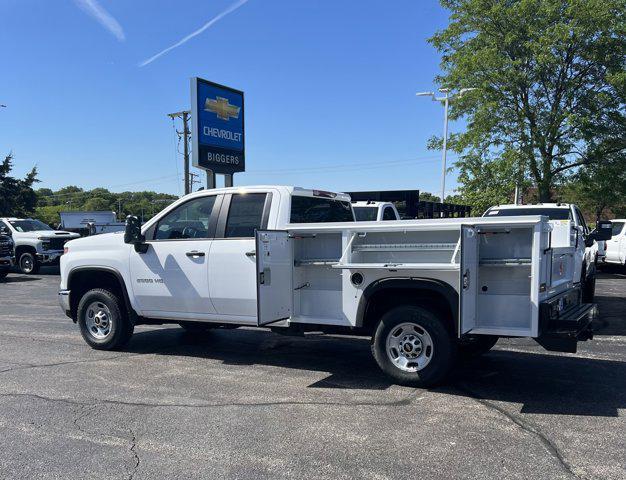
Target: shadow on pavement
(19, 279)
(612, 315)
(540, 383)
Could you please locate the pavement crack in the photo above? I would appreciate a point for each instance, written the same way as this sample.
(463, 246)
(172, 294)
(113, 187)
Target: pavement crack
(396, 403)
(548, 444)
(133, 451)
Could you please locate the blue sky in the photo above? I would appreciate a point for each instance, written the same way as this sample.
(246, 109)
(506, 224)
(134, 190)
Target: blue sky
(330, 89)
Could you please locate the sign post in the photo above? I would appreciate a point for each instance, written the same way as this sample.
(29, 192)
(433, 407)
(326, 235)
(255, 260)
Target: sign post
(217, 130)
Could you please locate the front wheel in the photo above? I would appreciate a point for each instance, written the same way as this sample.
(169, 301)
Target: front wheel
(413, 346)
(3, 273)
(102, 320)
(28, 263)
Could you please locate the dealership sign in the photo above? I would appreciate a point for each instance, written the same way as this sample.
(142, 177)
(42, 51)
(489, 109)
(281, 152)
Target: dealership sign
(217, 131)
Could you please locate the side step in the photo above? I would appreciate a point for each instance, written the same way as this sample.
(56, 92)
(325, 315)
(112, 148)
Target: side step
(571, 326)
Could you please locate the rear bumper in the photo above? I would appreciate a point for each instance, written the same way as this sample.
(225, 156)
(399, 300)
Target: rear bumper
(564, 321)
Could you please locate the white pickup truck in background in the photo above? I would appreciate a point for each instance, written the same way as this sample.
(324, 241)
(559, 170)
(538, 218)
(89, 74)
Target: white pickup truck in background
(295, 260)
(569, 229)
(35, 242)
(371, 211)
(615, 249)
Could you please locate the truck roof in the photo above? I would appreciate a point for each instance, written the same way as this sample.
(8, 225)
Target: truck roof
(289, 189)
(533, 205)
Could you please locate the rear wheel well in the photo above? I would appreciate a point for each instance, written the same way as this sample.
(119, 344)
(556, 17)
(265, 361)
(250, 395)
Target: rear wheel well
(384, 300)
(84, 280)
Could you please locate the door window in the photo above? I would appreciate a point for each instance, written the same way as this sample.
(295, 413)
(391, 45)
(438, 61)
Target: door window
(617, 228)
(245, 215)
(388, 214)
(581, 220)
(189, 220)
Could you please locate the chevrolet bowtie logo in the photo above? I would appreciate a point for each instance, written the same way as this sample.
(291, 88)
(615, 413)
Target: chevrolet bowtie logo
(222, 108)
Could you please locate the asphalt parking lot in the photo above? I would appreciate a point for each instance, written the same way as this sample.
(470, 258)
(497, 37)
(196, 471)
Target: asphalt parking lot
(251, 404)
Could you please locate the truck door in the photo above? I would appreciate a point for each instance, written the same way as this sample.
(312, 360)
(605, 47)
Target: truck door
(468, 280)
(274, 269)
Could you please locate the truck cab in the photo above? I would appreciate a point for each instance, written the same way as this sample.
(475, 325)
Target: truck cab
(35, 243)
(371, 211)
(295, 260)
(569, 229)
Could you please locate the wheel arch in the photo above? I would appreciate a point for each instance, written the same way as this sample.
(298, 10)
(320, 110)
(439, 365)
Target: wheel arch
(385, 293)
(82, 279)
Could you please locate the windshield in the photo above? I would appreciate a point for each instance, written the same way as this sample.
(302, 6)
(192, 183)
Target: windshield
(365, 214)
(28, 225)
(552, 213)
(617, 228)
(319, 210)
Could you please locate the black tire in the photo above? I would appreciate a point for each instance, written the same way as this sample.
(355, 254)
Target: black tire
(195, 327)
(476, 345)
(120, 327)
(3, 273)
(587, 286)
(442, 353)
(28, 263)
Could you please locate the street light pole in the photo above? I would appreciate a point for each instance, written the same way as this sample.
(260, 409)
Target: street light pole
(446, 102)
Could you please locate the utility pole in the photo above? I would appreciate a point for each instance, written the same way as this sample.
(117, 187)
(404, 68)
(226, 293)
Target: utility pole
(446, 102)
(192, 180)
(185, 133)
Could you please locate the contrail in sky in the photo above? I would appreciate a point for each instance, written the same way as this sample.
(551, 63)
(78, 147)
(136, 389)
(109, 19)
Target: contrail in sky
(93, 8)
(208, 24)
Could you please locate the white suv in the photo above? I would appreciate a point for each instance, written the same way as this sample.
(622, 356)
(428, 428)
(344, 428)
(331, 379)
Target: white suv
(35, 242)
(370, 211)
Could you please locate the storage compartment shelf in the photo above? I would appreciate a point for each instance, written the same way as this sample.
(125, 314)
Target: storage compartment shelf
(505, 262)
(315, 262)
(411, 247)
(399, 266)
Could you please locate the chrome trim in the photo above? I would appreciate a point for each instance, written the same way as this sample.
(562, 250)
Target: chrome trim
(64, 300)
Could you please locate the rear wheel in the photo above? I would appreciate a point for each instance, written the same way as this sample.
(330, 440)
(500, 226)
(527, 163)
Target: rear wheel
(28, 263)
(103, 321)
(3, 273)
(413, 346)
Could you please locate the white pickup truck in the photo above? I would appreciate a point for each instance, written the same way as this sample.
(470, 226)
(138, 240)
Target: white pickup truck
(35, 242)
(371, 211)
(569, 229)
(295, 259)
(615, 253)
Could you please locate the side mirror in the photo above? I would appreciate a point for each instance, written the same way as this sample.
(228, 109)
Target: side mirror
(132, 234)
(603, 231)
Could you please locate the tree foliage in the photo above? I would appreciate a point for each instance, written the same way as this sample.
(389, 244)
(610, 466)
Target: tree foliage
(551, 89)
(17, 197)
(143, 204)
(599, 189)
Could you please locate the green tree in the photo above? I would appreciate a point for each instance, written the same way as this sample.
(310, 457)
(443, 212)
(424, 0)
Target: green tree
(429, 197)
(599, 189)
(17, 197)
(550, 95)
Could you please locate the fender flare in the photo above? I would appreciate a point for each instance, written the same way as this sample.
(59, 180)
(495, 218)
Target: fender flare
(416, 283)
(116, 273)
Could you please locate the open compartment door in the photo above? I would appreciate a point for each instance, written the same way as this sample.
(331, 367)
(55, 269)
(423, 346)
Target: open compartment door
(468, 281)
(274, 270)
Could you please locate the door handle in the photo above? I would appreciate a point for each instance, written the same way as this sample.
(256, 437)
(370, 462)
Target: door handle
(251, 253)
(195, 254)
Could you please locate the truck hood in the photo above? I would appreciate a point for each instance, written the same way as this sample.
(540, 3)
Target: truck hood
(46, 234)
(103, 241)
